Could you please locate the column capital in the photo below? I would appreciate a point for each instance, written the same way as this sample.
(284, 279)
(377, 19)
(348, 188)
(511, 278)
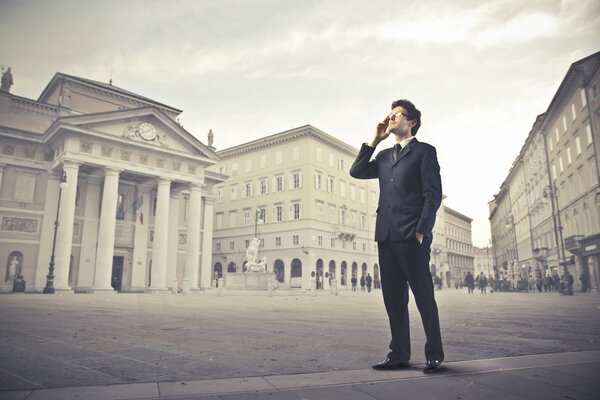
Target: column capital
(195, 186)
(208, 200)
(110, 171)
(70, 164)
(163, 181)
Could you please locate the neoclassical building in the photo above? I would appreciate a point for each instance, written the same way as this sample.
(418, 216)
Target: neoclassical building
(136, 208)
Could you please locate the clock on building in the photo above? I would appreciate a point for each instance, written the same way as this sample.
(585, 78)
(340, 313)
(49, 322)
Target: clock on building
(146, 131)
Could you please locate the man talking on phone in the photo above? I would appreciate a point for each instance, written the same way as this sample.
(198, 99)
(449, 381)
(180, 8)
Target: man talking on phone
(410, 194)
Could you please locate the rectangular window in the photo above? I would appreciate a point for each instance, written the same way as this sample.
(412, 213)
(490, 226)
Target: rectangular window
(247, 216)
(320, 240)
(231, 245)
(263, 161)
(278, 213)
(569, 160)
(233, 192)
(296, 211)
(341, 165)
(583, 99)
(573, 113)
(353, 217)
(319, 154)
(342, 216)
(330, 160)
(296, 240)
(234, 169)
(564, 123)
(220, 195)
(319, 210)
(278, 183)
(332, 242)
(278, 241)
(295, 154)
(318, 181)
(262, 215)
(342, 188)
(218, 247)
(247, 192)
(588, 131)
(362, 195)
(550, 142)
(233, 219)
(278, 157)
(578, 145)
(330, 185)
(331, 214)
(264, 187)
(557, 135)
(248, 165)
(364, 247)
(352, 192)
(296, 180)
(363, 221)
(560, 164)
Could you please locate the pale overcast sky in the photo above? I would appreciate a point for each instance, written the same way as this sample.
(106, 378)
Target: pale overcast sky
(480, 71)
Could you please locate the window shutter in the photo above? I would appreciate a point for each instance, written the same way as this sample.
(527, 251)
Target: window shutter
(300, 176)
(258, 188)
(274, 183)
(291, 182)
(300, 206)
(316, 180)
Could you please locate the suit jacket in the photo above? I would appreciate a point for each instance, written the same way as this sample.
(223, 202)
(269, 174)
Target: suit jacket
(410, 189)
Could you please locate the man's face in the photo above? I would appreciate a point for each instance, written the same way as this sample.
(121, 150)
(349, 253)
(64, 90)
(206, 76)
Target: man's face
(399, 123)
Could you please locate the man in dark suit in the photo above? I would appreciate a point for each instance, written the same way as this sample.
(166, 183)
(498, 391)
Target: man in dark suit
(410, 194)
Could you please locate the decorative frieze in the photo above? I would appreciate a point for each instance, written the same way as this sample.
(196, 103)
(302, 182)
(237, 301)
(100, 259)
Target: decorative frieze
(160, 163)
(143, 159)
(85, 147)
(176, 165)
(192, 169)
(125, 155)
(8, 150)
(182, 238)
(14, 224)
(107, 151)
(30, 153)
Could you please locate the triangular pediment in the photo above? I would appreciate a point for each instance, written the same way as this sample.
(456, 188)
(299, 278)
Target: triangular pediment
(147, 127)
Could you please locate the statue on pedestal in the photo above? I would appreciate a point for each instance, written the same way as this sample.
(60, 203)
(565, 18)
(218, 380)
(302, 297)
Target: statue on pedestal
(253, 263)
(7, 81)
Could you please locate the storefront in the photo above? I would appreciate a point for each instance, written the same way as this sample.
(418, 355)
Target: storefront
(590, 259)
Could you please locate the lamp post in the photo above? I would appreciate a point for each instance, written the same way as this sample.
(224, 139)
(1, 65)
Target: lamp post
(551, 191)
(49, 288)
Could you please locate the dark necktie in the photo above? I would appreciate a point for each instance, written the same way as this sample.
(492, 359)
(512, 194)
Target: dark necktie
(397, 149)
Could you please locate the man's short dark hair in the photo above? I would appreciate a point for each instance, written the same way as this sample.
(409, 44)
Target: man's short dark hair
(411, 110)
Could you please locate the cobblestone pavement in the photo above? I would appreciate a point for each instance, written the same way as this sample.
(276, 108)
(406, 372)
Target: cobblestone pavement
(57, 341)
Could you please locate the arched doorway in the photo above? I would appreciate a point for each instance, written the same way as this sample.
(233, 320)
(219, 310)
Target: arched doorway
(296, 274)
(376, 277)
(355, 270)
(278, 269)
(319, 272)
(217, 271)
(344, 273)
(331, 271)
(231, 267)
(364, 269)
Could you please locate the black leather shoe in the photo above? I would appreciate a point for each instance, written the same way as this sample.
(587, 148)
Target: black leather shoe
(433, 366)
(389, 364)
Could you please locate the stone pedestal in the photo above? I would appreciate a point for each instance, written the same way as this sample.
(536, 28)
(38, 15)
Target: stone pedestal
(248, 280)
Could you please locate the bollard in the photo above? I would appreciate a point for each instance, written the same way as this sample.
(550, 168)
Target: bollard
(220, 289)
(334, 288)
(270, 286)
(174, 286)
(313, 287)
(186, 285)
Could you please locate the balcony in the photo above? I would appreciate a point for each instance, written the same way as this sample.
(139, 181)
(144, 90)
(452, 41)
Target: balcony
(345, 232)
(573, 244)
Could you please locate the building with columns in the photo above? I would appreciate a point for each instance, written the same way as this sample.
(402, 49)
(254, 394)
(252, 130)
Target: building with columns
(136, 204)
(459, 246)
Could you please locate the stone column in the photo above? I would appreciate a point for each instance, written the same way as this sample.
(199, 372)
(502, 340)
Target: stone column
(173, 244)
(192, 256)
(89, 237)
(64, 237)
(161, 233)
(207, 238)
(140, 242)
(106, 231)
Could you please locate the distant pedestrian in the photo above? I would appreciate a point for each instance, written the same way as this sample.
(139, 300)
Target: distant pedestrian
(470, 282)
(363, 282)
(369, 281)
(585, 282)
(353, 280)
(482, 282)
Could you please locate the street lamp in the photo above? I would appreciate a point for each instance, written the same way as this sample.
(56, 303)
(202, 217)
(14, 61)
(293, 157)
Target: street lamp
(551, 191)
(49, 288)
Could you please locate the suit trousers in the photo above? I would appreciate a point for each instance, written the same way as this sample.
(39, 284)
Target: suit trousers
(405, 263)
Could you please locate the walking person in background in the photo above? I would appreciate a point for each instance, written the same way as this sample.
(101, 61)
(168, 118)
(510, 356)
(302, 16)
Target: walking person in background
(363, 282)
(369, 281)
(470, 282)
(353, 281)
(410, 195)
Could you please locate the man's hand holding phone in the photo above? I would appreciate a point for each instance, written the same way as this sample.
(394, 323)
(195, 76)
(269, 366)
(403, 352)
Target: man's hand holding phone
(381, 132)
